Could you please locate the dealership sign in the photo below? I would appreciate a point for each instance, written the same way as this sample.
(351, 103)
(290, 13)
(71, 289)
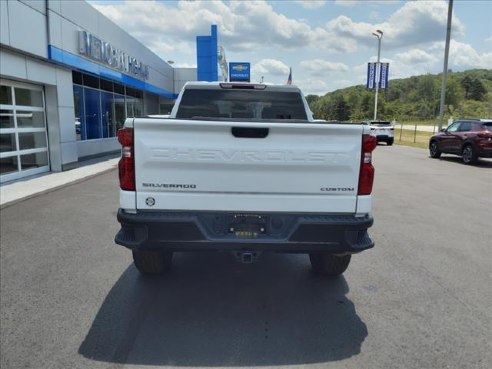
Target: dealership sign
(239, 72)
(103, 52)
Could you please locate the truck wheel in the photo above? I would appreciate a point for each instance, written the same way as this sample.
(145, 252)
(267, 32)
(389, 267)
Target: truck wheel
(390, 142)
(324, 263)
(469, 154)
(434, 150)
(152, 262)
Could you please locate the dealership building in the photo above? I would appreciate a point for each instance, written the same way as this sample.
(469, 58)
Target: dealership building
(69, 77)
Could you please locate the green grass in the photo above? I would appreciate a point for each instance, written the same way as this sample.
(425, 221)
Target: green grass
(411, 138)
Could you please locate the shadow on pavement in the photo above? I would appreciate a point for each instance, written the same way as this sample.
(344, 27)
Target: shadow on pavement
(481, 163)
(213, 311)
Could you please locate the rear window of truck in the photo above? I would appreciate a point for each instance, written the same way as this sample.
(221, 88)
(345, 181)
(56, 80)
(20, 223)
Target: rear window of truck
(241, 104)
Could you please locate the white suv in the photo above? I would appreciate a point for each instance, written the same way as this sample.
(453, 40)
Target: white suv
(382, 130)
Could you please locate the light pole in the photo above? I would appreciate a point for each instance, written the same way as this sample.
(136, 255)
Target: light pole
(445, 69)
(379, 35)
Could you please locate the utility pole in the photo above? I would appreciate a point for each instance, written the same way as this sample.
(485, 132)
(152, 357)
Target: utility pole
(445, 70)
(379, 35)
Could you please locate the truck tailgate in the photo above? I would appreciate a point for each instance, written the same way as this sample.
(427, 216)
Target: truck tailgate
(206, 165)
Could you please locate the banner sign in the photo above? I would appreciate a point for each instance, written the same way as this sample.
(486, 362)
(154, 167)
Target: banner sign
(239, 72)
(371, 75)
(380, 76)
(383, 75)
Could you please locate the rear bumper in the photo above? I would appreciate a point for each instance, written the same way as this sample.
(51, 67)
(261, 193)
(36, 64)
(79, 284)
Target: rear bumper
(291, 233)
(384, 138)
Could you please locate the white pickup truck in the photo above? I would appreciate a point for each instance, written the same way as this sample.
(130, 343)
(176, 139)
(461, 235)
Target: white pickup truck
(244, 168)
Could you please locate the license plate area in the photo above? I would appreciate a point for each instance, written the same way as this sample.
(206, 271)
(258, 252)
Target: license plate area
(247, 225)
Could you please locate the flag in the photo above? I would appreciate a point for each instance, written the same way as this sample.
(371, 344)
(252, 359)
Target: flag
(289, 80)
(383, 75)
(371, 75)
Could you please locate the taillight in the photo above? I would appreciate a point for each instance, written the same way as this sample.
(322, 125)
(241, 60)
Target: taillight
(366, 177)
(126, 166)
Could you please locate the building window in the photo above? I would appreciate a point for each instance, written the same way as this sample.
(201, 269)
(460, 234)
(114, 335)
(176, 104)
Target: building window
(78, 97)
(101, 106)
(134, 103)
(92, 104)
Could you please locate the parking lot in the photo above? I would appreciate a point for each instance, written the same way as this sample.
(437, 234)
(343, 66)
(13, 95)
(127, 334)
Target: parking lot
(71, 298)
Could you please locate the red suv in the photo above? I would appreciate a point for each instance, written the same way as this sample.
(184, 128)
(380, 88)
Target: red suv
(470, 138)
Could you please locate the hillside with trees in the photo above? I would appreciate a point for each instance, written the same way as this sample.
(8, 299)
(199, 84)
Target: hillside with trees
(468, 94)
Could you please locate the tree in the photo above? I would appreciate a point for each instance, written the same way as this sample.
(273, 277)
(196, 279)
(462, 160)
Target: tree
(474, 89)
(427, 88)
(340, 109)
(452, 94)
(468, 93)
(311, 99)
(477, 90)
(466, 83)
(367, 105)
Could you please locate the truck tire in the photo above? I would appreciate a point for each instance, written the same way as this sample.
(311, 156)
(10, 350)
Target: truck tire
(390, 142)
(324, 263)
(469, 154)
(152, 262)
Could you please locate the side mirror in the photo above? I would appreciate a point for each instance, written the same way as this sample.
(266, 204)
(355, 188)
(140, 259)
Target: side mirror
(444, 129)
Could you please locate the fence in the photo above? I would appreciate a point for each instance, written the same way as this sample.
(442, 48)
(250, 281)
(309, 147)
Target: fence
(416, 132)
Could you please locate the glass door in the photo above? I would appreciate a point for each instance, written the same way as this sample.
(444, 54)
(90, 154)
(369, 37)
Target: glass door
(23, 135)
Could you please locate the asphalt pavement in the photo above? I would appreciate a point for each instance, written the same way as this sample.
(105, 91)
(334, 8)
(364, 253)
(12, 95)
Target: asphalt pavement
(21, 190)
(71, 298)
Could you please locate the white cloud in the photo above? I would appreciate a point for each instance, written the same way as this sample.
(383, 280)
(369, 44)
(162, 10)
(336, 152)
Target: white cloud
(311, 4)
(421, 22)
(166, 48)
(416, 22)
(349, 3)
(184, 65)
(243, 25)
(312, 86)
(344, 27)
(462, 55)
(319, 67)
(270, 66)
(488, 40)
(346, 2)
(343, 83)
(258, 25)
(416, 56)
(247, 26)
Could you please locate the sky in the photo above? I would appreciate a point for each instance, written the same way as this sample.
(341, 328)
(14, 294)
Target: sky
(326, 43)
